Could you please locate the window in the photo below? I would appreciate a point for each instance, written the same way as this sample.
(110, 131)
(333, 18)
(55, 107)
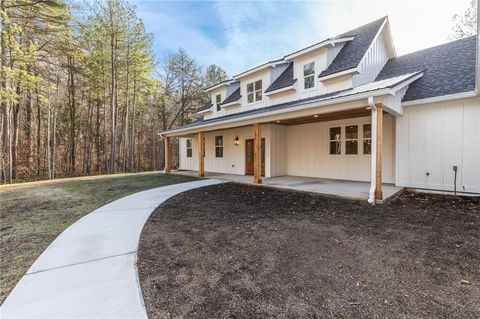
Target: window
(367, 139)
(219, 146)
(189, 147)
(254, 91)
(218, 100)
(309, 75)
(335, 140)
(351, 139)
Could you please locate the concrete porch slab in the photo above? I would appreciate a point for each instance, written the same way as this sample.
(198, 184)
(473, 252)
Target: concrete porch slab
(334, 187)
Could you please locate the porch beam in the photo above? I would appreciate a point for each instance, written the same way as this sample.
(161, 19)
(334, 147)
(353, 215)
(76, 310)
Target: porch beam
(257, 154)
(201, 155)
(168, 155)
(378, 175)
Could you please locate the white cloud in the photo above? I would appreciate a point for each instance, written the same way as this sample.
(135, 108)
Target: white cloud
(255, 32)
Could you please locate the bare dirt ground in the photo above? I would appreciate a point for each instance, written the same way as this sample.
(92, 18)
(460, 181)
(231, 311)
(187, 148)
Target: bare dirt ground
(241, 251)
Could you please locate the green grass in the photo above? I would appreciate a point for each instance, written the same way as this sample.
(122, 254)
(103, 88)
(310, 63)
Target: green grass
(32, 216)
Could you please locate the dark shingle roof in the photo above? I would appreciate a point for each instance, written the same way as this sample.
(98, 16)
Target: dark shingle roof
(448, 69)
(284, 80)
(353, 51)
(295, 103)
(206, 106)
(235, 96)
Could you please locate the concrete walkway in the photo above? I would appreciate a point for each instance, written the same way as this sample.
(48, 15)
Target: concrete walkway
(89, 271)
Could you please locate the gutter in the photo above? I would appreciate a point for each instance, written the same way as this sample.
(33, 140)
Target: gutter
(282, 111)
(373, 155)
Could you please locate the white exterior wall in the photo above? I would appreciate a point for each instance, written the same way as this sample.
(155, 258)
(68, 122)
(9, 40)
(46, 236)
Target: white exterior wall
(233, 160)
(301, 150)
(431, 138)
(308, 152)
(372, 63)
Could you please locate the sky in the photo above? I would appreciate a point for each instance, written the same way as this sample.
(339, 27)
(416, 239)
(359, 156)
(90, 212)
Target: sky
(238, 35)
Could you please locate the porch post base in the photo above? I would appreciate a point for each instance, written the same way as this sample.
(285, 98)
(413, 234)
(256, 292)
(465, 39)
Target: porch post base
(378, 195)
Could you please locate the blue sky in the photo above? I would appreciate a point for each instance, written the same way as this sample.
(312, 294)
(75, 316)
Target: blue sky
(240, 34)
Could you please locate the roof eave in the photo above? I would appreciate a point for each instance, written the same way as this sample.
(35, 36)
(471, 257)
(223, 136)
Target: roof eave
(261, 67)
(284, 89)
(233, 103)
(441, 98)
(337, 74)
(305, 106)
(331, 41)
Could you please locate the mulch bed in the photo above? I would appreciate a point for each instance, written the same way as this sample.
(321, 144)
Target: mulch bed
(241, 251)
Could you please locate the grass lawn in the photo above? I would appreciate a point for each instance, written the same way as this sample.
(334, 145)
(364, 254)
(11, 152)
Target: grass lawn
(237, 251)
(32, 215)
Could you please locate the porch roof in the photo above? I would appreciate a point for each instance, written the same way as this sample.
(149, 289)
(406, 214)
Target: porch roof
(373, 89)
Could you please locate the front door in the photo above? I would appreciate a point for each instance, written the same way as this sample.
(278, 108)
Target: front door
(249, 157)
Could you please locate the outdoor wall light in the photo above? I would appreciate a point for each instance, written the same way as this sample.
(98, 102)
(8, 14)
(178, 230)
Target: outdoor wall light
(236, 141)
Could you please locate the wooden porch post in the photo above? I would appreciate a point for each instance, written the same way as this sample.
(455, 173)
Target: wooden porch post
(168, 155)
(257, 154)
(201, 155)
(378, 177)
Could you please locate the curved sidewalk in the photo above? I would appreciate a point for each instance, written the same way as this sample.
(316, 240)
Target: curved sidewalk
(90, 271)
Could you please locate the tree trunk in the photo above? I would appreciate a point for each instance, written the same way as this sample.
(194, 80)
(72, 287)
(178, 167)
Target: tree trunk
(6, 142)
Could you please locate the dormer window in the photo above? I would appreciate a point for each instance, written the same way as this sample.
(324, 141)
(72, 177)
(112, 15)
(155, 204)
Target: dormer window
(218, 100)
(309, 75)
(254, 91)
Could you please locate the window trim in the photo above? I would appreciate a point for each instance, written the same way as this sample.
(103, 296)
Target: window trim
(310, 75)
(336, 140)
(364, 139)
(189, 147)
(255, 91)
(352, 139)
(219, 147)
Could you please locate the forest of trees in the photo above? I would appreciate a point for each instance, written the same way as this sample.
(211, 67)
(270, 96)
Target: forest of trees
(82, 92)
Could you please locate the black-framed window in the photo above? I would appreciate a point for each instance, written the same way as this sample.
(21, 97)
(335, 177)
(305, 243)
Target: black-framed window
(367, 139)
(189, 147)
(219, 146)
(218, 100)
(335, 140)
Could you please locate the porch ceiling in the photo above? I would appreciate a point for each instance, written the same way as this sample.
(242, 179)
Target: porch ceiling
(340, 115)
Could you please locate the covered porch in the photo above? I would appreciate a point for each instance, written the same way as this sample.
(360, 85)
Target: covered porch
(334, 187)
(341, 144)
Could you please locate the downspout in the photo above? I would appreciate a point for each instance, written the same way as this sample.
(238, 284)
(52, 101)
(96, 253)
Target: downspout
(373, 153)
(477, 55)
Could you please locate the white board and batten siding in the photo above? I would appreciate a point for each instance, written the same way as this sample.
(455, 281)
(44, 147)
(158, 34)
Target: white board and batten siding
(432, 138)
(374, 60)
(307, 152)
(233, 160)
(300, 150)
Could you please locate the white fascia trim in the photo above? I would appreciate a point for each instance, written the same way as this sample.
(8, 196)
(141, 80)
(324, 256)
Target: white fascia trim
(237, 102)
(209, 110)
(401, 85)
(334, 75)
(219, 85)
(285, 89)
(441, 98)
(317, 46)
(305, 106)
(259, 68)
(373, 41)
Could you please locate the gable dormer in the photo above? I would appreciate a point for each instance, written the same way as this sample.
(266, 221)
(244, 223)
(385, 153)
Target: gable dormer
(362, 59)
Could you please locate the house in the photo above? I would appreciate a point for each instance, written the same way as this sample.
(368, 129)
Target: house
(346, 108)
